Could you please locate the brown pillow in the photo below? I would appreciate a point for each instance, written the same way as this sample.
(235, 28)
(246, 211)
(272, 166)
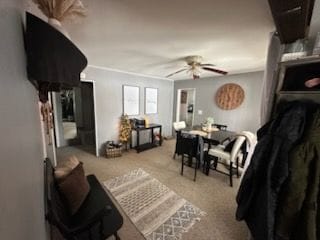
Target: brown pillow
(65, 167)
(75, 188)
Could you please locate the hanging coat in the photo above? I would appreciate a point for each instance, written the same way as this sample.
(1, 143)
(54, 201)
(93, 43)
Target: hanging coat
(259, 189)
(298, 204)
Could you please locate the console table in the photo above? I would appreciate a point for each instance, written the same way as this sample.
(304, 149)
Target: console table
(149, 145)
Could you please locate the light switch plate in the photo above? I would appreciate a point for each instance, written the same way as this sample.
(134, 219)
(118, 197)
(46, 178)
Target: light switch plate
(200, 112)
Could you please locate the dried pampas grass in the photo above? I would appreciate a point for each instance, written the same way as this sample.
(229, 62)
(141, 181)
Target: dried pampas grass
(61, 9)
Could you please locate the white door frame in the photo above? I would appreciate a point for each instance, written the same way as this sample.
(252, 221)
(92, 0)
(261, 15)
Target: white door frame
(58, 129)
(95, 113)
(178, 103)
(53, 143)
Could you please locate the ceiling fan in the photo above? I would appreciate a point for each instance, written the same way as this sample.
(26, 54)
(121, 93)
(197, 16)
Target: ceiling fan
(195, 67)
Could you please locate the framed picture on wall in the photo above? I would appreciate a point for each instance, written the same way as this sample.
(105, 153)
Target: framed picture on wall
(184, 96)
(151, 100)
(130, 98)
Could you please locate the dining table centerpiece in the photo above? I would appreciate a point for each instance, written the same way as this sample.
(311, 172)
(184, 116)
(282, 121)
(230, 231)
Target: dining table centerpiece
(207, 126)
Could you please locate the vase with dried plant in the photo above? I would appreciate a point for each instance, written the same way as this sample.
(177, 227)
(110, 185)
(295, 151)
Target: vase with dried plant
(58, 11)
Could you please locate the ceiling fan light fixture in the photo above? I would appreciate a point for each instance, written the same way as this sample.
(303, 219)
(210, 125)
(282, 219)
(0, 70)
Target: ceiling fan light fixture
(195, 76)
(195, 67)
(193, 59)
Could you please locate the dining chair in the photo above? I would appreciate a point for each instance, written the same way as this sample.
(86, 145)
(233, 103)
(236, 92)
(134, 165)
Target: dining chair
(226, 158)
(251, 140)
(190, 146)
(178, 144)
(221, 127)
(178, 126)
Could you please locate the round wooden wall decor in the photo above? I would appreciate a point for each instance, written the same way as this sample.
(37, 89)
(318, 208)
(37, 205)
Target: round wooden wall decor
(229, 96)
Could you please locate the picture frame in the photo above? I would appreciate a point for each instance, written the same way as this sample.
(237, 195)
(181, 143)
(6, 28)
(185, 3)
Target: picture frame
(131, 100)
(184, 96)
(151, 100)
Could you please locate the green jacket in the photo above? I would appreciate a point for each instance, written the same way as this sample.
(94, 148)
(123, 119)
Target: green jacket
(298, 211)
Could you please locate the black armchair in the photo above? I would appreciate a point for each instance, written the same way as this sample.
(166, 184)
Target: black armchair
(97, 218)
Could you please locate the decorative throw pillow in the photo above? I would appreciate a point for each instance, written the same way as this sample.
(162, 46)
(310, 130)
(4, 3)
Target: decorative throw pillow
(229, 146)
(71, 162)
(65, 167)
(75, 188)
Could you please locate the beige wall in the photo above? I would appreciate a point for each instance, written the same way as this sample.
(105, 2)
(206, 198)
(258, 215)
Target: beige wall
(245, 117)
(21, 157)
(108, 86)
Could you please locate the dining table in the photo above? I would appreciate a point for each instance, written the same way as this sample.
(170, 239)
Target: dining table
(215, 137)
(212, 138)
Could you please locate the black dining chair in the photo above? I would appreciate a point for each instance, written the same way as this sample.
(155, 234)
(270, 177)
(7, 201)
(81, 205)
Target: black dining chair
(190, 146)
(176, 150)
(221, 127)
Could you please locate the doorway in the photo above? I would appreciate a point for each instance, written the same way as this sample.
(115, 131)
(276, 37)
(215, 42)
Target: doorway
(186, 106)
(74, 112)
(69, 124)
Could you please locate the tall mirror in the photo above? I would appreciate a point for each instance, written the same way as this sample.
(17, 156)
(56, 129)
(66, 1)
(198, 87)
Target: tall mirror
(68, 114)
(185, 106)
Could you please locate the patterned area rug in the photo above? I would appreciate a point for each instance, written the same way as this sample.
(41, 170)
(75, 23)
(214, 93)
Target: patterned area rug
(158, 212)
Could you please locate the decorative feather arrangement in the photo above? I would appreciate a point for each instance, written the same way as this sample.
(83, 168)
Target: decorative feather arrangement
(61, 10)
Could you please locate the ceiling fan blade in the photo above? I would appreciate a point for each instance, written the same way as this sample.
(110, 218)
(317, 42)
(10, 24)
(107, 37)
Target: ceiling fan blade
(181, 70)
(207, 65)
(215, 70)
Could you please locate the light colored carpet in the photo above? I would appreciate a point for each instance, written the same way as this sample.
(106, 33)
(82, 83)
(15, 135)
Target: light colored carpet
(156, 210)
(211, 194)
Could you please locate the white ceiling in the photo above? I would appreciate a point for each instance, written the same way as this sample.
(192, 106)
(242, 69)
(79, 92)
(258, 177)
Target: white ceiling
(151, 36)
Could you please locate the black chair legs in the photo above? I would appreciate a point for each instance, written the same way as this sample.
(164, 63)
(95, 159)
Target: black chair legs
(238, 175)
(208, 166)
(195, 171)
(213, 165)
(197, 165)
(204, 163)
(230, 174)
(182, 165)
